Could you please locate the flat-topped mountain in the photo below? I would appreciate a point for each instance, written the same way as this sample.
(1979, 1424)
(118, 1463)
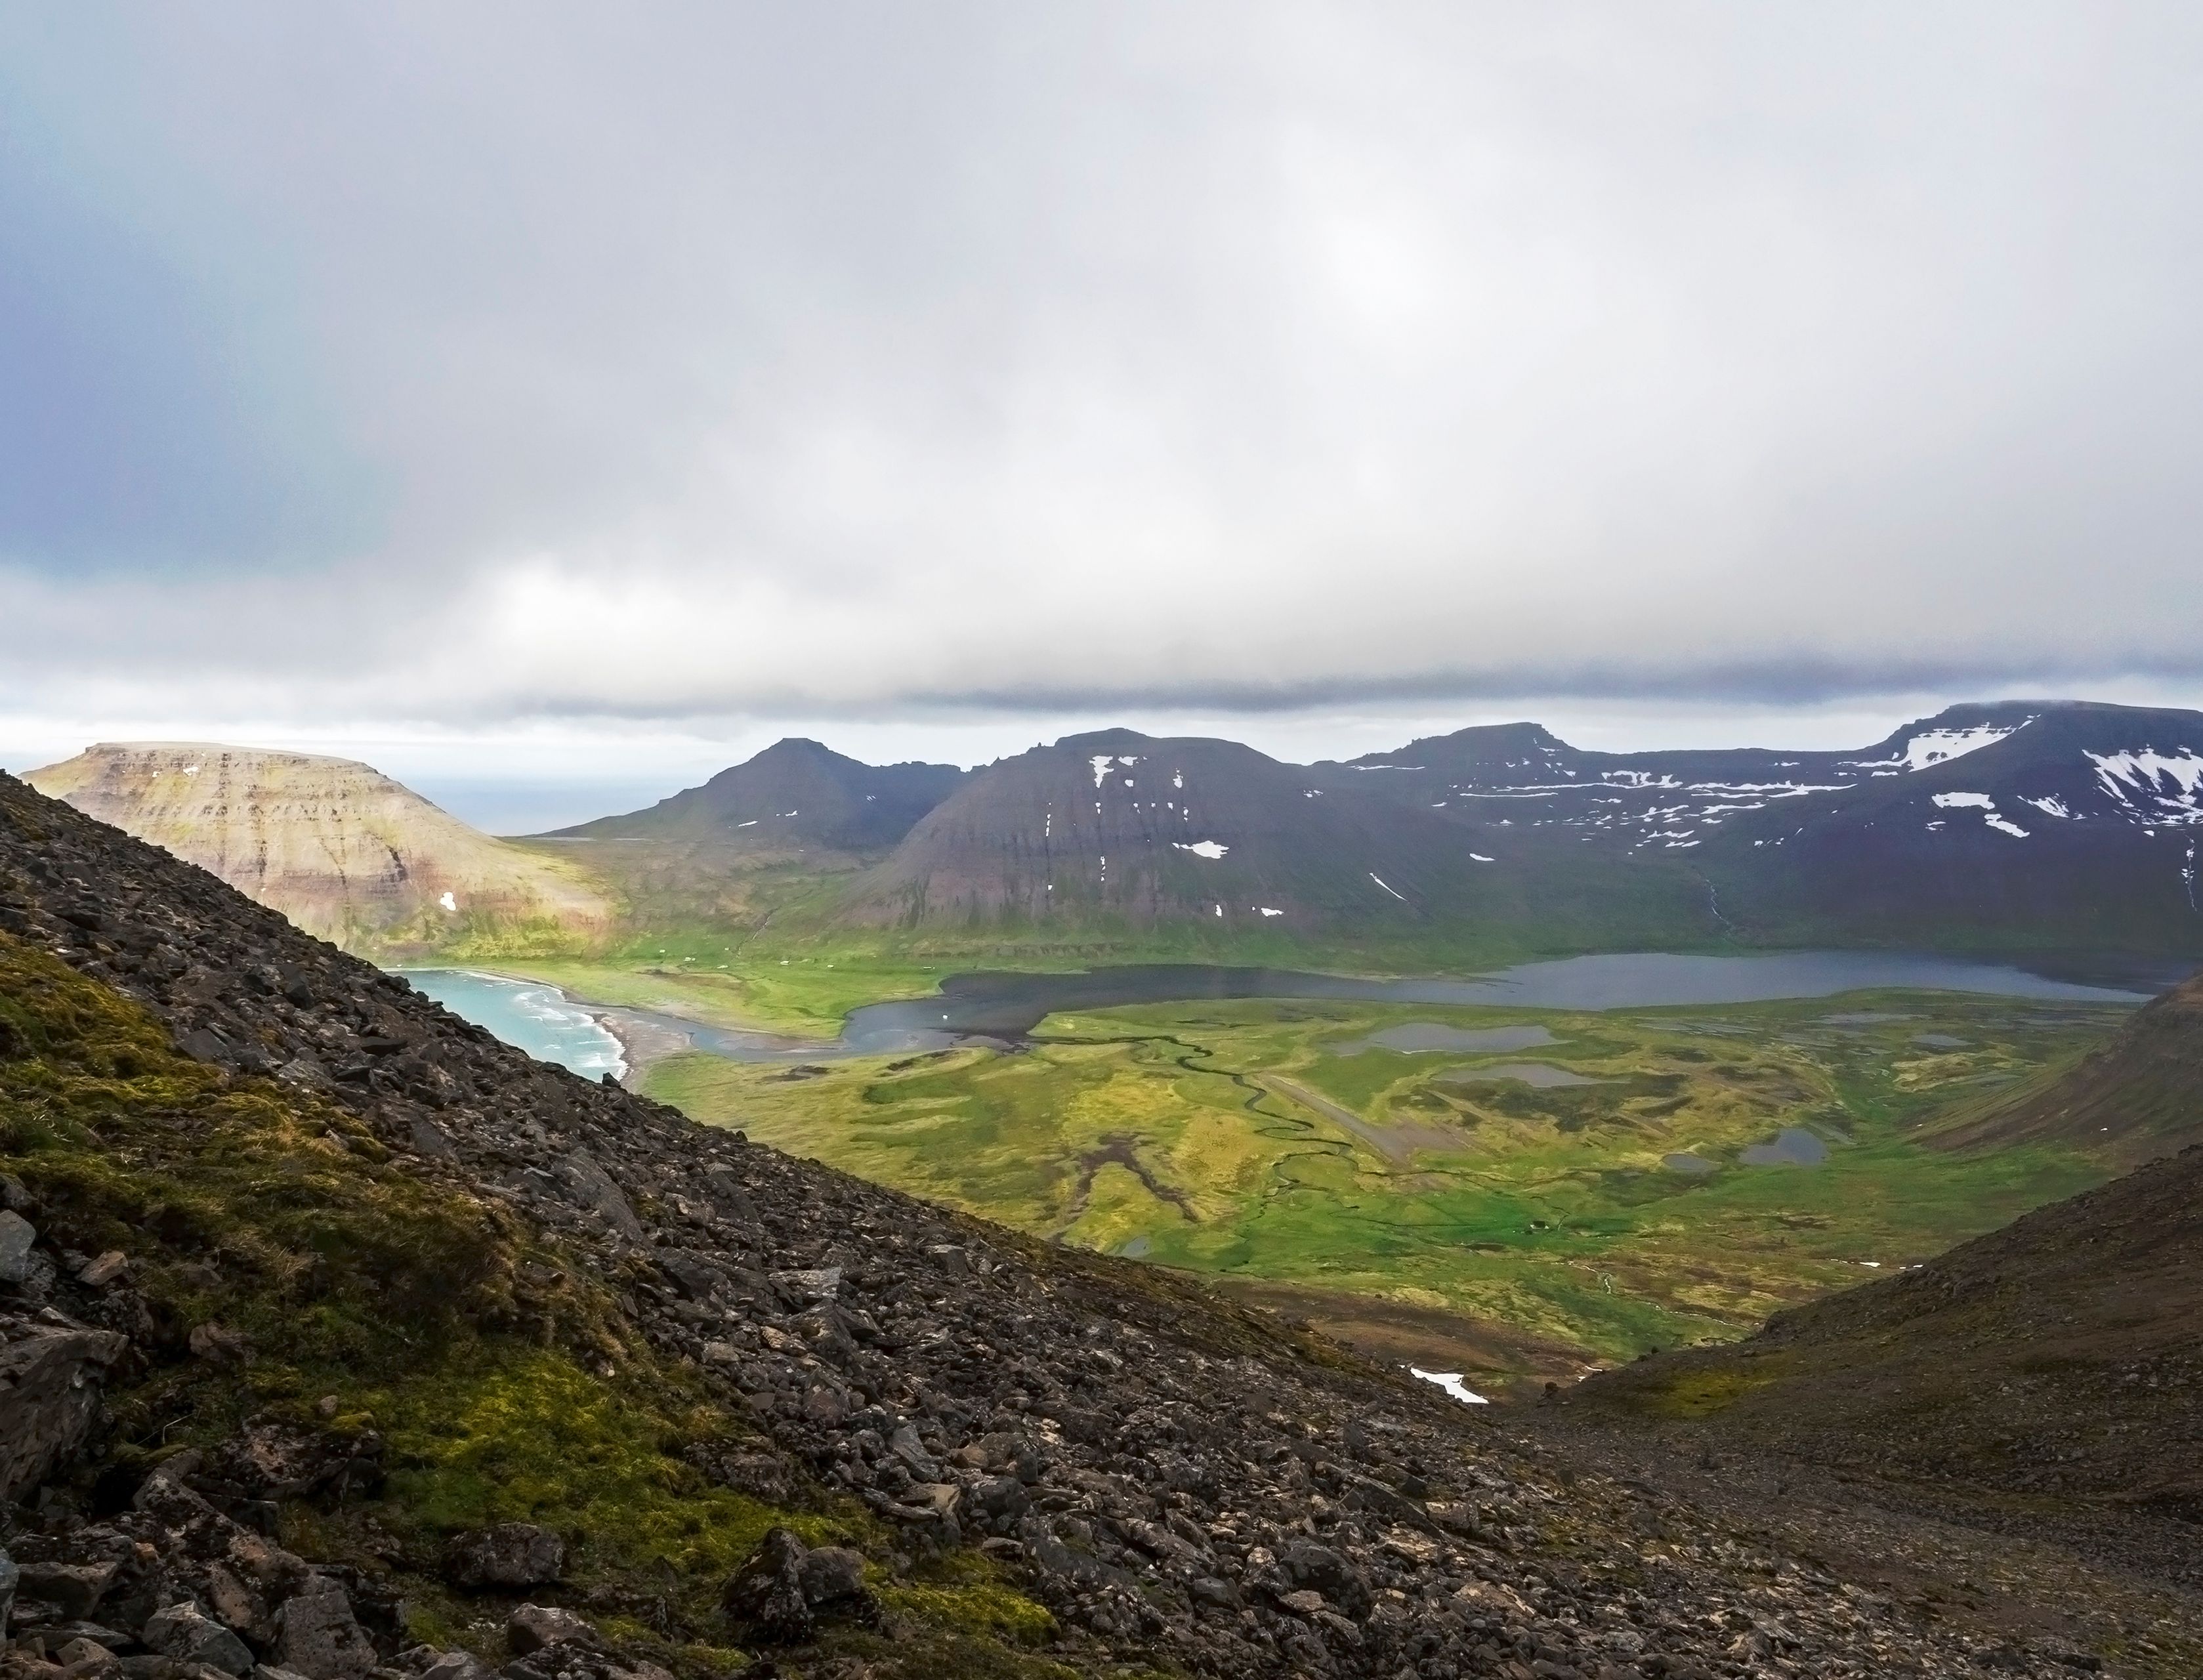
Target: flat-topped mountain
(793, 793)
(338, 847)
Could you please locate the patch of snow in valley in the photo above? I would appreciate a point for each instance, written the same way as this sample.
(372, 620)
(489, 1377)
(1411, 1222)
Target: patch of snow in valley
(751, 823)
(1177, 778)
(1478, 857)
(1208, 849)
(1267, 911)
(1103, 766)
(1452, 1383)
(449, 902)
(2052, 807)
(1380, 880)
(2005, 826)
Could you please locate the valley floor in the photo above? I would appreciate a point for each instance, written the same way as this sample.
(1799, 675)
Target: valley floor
(1518, 1194)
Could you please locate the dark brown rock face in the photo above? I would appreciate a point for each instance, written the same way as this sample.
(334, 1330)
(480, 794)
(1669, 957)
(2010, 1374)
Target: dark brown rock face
(49, 1389)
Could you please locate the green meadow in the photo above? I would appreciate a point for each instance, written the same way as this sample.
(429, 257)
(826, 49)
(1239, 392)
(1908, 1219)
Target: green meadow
(1591, 1185)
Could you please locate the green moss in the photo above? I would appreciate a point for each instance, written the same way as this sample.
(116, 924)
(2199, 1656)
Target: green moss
(1700, 1391)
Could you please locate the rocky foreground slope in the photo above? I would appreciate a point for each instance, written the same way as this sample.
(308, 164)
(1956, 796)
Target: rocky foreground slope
(345, 1340)
(338, 847)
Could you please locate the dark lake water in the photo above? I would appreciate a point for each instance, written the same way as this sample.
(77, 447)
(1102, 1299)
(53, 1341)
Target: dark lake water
(1001, 1009)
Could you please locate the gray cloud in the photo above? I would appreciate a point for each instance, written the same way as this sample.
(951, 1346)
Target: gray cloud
(856, 360)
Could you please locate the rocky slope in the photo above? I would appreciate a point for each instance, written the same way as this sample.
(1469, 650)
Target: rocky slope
(2137, 1099)
(341, 849)
(414, 1352)
(2040, 1378)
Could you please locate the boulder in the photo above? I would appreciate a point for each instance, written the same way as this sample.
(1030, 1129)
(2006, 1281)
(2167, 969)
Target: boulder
(590, 1185)
(74, 1590)
(317, 1634)
(782, 1588)
(189, 1635)
(534, 1627)
(17, 1234)
(51, 1384)
(273, 1461)
(1309, 1566)
(456, 1665)
(511, 1554)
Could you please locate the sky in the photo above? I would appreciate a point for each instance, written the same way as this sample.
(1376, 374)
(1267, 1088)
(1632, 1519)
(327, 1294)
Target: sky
(554, 403)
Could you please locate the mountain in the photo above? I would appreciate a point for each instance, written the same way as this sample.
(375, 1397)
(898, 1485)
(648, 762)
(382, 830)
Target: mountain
(2027, 825)
(1121, 829)
(2134, 1100)
(794, 793)
(341, 1338)
(340, 848)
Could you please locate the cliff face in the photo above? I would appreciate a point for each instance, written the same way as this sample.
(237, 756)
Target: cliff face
(339, 848)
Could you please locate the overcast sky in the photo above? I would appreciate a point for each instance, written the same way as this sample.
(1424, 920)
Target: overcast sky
(589, 392)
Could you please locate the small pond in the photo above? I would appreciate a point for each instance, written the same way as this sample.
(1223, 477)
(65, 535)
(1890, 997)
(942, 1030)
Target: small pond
(1793, 1146)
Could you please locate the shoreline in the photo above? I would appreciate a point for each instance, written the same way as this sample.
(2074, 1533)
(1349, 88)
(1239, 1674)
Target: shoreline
(643, 1044)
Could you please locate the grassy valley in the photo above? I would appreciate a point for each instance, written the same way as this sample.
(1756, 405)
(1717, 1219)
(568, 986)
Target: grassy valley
(1273, 1144)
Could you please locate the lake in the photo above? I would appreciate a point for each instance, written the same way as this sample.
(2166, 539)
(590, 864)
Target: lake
(1001, 1008)
(539, 1019)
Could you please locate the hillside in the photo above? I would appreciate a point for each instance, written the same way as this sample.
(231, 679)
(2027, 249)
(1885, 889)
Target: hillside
(1124, 831)
(341, 849)
(2136, 1099)
(2038, 824)
(2042, 1375)
(794, 793)
(418, 1351)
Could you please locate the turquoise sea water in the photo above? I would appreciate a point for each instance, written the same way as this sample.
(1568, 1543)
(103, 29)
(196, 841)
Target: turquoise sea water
(537, 1018)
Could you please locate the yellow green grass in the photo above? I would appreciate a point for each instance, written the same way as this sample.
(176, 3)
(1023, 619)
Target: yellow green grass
(1204, 1136)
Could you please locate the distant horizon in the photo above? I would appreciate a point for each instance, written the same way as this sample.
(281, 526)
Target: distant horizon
(554, 781)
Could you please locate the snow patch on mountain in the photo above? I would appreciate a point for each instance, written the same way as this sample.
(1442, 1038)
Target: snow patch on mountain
(1940, 746)
(2125, 773)
(1986, 807)
(1208, 849)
